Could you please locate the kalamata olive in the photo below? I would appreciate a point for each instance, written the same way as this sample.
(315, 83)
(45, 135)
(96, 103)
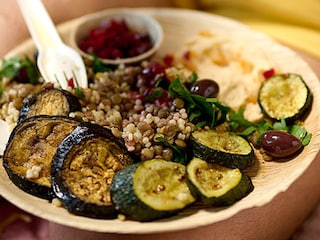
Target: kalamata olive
(280, 144)
(206, 87)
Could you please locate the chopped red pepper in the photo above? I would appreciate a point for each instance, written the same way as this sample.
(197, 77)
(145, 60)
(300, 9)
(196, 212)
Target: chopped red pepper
(187, 55)
(71, 83)
(269, 73)
(168, 60)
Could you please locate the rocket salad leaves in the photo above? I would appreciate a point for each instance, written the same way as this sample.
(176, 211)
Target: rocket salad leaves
(201, 111)
(210, 112)
(241, 126)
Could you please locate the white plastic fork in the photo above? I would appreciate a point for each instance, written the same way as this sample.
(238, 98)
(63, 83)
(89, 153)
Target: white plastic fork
(56, 61)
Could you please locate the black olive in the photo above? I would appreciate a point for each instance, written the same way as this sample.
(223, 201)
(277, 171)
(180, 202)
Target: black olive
(280, 144)
(206, 87)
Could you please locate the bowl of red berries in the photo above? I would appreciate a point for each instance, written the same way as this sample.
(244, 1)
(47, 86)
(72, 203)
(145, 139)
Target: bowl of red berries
(117, 36)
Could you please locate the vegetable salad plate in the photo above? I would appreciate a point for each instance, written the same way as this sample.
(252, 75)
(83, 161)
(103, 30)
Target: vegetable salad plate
(236, 57)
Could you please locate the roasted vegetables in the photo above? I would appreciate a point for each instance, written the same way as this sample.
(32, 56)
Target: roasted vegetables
(216, 185)
(151, 190)
(223, 148)
(285, 96)
(31, 146)
(83, 168)
(53, 102)
(90, 171)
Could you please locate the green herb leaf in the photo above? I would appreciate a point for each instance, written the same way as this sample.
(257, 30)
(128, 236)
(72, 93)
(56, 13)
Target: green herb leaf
(179, 154)
(242, 126)
(301, 133)
(178, 89)
(11, 67)
(282, 125)
(200, 109)
(192, 78)
(98, 65)
(156, 93)
(79, 93)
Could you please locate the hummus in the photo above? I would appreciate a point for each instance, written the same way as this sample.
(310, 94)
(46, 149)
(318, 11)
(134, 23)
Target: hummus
(237, 66)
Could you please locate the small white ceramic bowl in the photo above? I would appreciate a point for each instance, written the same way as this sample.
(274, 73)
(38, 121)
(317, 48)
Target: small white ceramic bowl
(136, 21)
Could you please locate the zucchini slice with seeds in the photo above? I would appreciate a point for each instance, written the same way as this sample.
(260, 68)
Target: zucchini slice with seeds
(285, 96)
(83, 167)
(52, 102)
(223, 148)
(151, 190)
(31, 146)
(216, 185)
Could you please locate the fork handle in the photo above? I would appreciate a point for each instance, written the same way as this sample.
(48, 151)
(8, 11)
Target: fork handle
(39, 23)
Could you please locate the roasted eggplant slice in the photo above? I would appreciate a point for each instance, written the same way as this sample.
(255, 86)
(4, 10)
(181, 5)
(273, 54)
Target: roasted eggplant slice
(216, 185)
(83, 168)
(31, 146)
(53, 102)
(223, 148)
(285, 96)
(151, 190)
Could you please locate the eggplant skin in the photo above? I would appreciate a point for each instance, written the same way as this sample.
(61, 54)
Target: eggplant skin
(53, 102)
(28, 186)
(32, 143)
(83, 167)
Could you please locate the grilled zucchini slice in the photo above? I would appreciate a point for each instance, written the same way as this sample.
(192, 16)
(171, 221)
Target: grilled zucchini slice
(216, 185)
(83, 167)
(29, 151)
(223, 148)
(151, 190)
(53, 102)
(285, 96)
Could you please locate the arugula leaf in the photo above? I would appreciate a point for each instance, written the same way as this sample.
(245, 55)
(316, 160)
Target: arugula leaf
(10, 68)
(98, 65)
(192, 78)
(178, 89)
(301, 133)
(79, 93)
(282, 125)
(201, 110)
(179, 154)
(242, 126)
(155, 93)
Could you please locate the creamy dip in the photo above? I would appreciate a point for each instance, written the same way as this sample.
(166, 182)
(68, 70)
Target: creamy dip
(237, 66)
